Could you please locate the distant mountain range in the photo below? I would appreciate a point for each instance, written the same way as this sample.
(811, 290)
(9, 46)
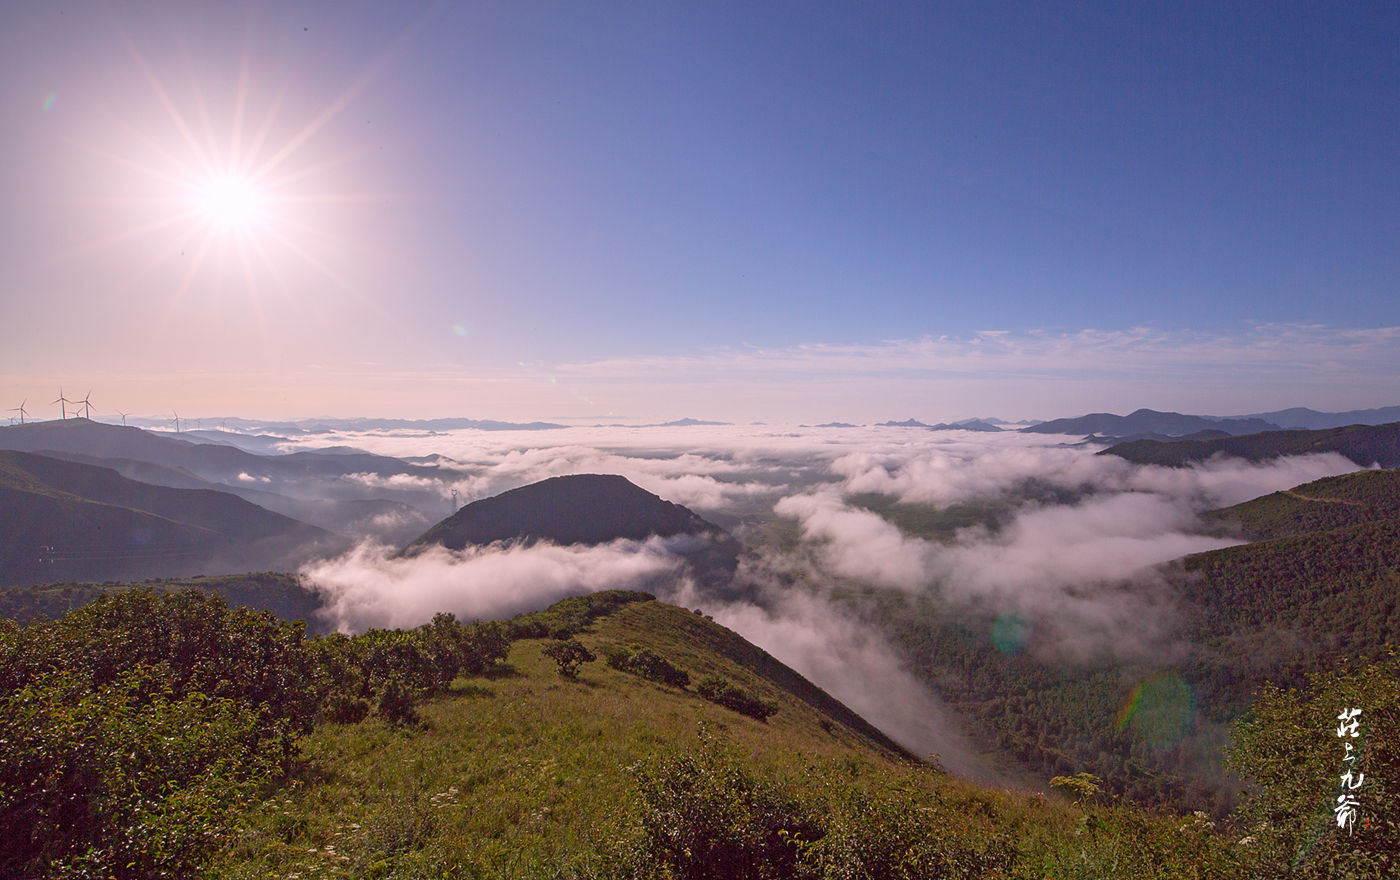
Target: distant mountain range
(325, 426)
(1147, 424)
(1147, 421)
(677, 423)
(1301, 417)
(965, 425)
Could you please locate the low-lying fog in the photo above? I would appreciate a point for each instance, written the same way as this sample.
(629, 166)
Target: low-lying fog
(1065, 537)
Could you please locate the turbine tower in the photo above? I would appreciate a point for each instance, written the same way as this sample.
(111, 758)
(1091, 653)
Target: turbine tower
(177, 421)
(123, 415)
(62, 402)
(21, 410)
(87, 408)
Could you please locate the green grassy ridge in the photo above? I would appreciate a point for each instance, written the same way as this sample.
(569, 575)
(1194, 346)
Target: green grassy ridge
(539, 762)
(703, 647)
(528, 774)
(1329, 503)
(1365, 445)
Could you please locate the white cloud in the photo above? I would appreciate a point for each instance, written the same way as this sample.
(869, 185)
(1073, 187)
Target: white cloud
(372, 587)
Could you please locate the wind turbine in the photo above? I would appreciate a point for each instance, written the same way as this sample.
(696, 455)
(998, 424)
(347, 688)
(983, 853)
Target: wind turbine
(123, 415)
(21, 410)
(177, 421)
(62, 402)
(87, 408)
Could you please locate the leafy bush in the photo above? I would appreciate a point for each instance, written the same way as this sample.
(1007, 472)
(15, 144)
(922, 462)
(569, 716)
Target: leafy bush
(568, 654)
(125, 780)
(717, 690)
(648, 664)
(901, 835)
(704, 817)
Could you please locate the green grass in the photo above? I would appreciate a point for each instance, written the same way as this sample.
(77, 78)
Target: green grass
(527, 769)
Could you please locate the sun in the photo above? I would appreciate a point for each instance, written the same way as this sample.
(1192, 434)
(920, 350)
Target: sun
(230, 201)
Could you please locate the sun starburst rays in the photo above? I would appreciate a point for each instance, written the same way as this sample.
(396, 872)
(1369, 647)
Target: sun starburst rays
(221, 189)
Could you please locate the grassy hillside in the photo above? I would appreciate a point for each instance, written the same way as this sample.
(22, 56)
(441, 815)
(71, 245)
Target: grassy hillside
(133, 754)
(1366, 445)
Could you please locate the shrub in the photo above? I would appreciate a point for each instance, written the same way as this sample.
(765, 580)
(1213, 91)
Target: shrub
(1081, 787)
(648, 664)
(704, 817)
(717, 690)
(568, 654)
(397, 701)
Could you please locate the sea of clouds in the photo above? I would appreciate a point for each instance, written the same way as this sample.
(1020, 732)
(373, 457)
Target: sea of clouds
(1075, 546)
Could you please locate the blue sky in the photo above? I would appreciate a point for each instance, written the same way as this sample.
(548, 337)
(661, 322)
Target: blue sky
(743, 210)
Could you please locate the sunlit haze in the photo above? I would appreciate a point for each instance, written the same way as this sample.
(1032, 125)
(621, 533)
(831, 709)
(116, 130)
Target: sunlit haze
(765, 212)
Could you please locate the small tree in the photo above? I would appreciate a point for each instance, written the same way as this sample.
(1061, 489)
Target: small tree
(1082, 787)
(569, 654)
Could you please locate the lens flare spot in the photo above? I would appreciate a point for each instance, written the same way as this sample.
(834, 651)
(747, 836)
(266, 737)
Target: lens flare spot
(1010, 632)
(459, 330)
(1160, 710)
(49, 101)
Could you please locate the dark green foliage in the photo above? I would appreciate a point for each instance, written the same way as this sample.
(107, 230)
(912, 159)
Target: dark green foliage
(1364, 444)
(1322, 505)
(568, 654)
(1288, 745)
(901, 835)
(124, 781)
(397, 701)
(705, 815)
(648, 664)
(133, 728)
(717, 690)
(707, 818)
(392, 669)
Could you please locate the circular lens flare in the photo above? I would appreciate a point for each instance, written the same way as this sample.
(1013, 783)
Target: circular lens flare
(230, 201)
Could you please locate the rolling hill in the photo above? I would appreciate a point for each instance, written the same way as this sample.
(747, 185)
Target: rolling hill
(1319, 506)
(61, 520)
(210, 461)
(1366, 445)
